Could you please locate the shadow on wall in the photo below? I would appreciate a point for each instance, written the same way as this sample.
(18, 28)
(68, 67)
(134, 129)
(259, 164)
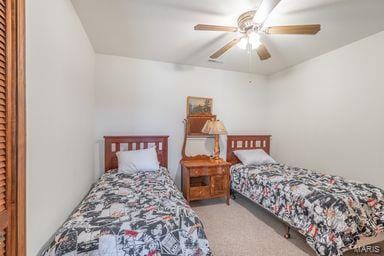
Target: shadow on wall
(200, 53)
(99, 159)
(183, 68)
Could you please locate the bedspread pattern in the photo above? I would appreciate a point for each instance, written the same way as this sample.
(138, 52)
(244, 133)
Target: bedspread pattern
(331, 212)
(131, 214)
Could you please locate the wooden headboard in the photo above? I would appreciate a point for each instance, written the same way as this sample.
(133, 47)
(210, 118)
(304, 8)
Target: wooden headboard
(244, 142)
(114, 144)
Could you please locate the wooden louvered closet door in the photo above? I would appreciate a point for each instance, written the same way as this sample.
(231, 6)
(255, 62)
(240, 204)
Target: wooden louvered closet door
(12, 129)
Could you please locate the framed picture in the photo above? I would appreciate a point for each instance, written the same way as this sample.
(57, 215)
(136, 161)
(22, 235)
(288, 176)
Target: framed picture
(199, 106)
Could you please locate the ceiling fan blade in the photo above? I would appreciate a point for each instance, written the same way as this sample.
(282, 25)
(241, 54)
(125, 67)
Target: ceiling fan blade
(295, 29)
(215, 28)
(265, 8)
(225, 48)
(263, 52)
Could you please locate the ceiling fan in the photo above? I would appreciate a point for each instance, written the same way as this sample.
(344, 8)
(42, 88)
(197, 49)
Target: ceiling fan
(251, 24)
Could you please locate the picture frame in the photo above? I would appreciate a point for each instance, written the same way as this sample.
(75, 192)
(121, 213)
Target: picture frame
(199, 106)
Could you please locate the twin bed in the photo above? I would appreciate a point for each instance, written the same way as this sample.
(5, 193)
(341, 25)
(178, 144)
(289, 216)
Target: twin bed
(143, 213)
(140, 213)
(334, 215)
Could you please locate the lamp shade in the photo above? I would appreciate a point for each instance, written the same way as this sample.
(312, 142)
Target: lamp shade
(214, 127)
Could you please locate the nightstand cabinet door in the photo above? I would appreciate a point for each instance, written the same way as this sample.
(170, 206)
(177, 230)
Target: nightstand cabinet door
(219, 184)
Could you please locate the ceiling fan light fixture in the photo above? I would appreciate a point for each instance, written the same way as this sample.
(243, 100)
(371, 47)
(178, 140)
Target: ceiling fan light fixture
(254, 40)
(251, 41)
(243, 44)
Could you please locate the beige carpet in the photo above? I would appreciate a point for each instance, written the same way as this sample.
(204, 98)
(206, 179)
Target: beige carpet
(244, 229)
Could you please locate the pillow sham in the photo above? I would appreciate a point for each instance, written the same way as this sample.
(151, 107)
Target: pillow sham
(254, 156)
(143, 160)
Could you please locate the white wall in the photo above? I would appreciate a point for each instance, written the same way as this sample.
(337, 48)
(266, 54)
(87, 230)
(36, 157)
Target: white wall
(146, 97)
(60, 117)
(328, 113)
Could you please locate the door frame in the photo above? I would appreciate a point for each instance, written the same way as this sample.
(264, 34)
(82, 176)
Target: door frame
(19, 146)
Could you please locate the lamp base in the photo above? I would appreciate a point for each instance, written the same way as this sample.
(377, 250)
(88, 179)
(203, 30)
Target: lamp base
(216, 151)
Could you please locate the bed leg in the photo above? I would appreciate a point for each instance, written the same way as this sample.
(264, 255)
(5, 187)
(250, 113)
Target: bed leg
(288, 235)
(233, 194)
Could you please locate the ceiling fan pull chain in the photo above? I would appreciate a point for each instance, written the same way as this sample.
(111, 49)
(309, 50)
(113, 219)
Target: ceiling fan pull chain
(250, 62)
(249, 46)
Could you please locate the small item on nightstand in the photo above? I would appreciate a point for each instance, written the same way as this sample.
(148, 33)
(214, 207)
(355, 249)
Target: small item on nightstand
(216, 128)
(205, 178)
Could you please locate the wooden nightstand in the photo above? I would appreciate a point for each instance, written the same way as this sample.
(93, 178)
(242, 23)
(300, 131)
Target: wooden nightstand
(204, 178)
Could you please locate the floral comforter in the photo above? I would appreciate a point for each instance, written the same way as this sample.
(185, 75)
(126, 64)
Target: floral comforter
(131, 214)
(330, 212)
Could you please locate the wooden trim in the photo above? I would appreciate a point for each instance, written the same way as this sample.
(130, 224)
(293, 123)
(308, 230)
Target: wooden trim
(16, 60)
(13, 125)
(246, 142)
(21, 129)
(110, 161)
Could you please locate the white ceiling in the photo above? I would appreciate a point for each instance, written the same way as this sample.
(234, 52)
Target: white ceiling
(162, 30)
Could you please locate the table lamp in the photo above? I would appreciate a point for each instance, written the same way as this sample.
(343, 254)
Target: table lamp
(216, 128)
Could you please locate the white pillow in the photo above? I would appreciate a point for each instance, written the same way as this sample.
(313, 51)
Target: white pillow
(143, 160)
(254, 156)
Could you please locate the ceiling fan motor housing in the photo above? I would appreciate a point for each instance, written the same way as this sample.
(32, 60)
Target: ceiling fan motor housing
(245, 22)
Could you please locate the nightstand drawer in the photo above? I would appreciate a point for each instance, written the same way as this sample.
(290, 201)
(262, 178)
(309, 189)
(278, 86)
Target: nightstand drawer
(207, 171)
(196, 193)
